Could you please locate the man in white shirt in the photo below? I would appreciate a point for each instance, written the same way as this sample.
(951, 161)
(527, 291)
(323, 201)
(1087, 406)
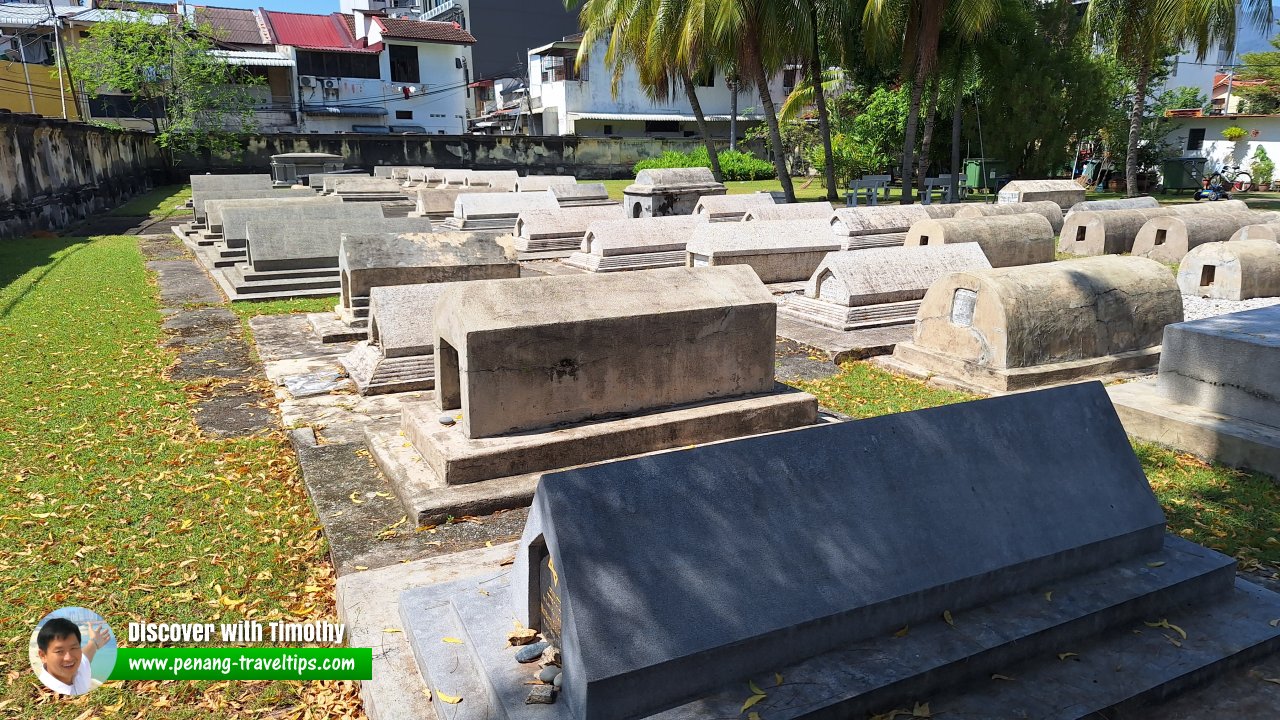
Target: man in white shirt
(64, 663)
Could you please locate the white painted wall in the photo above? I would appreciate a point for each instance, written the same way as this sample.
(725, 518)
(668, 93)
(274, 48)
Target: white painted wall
(596, 95)
(1218, 151)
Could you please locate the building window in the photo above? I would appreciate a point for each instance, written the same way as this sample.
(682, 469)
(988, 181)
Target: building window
(661, 126)
(404, 114)
(608, 129)
(1195, 139)
(346, 65)
(706, 77)
(556, 68)
(788, 79)
(404, 63)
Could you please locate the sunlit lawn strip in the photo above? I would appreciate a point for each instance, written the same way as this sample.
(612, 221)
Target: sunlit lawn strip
(1235, 512)
(162, 202)
(114, 501)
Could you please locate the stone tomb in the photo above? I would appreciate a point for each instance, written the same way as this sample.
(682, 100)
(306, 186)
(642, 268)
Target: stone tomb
(1050, 210)
(401, 173)
(721, 208)
(1112, 232)
(495, 211)
(438, 203)
(1017, 328)
(558, 233)
(366, 189)
(237, 214)
(550, 372)
(792, 565)
(635, 244)
(399, 355)
(580, 194)
(1261, 231)
(1136, 203)
(289, 169)
(243, 193)
(669, 191)
(367, 261)
(877, 287)
(780, 251)
(228, 217)
(882, 225)
(539, 183)
(1065, 193)
(1232, 270)
(211, 183)
(820, 210)
(299, 258)
(1170, 237)
(323, 182)
(494, 180)
(1008, 240)
(1216, 394)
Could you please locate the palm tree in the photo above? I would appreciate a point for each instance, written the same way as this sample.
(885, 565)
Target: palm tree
(1141, 33)
(642, 33)
(814, 73)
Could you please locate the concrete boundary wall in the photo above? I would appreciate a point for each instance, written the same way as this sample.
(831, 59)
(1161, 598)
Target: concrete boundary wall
(57, 173)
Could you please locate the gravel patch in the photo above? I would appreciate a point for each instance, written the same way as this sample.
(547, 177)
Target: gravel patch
(1195, 308)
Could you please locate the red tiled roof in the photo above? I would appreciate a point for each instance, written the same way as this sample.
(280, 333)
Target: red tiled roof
(313, 32)
(441, 32)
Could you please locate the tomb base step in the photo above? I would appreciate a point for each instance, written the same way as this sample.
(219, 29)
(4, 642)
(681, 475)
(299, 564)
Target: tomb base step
(567, 244)
(861, 242)
(1119, 661)
(331, 329)
(915, 361)
(1233, 441)
(842, 345)
(841, 317)
(584, 203)
(374, 374)
(616, 263)
(543, 255)
(457, 224)
(245, 273)
(457, 459)
(236, 287)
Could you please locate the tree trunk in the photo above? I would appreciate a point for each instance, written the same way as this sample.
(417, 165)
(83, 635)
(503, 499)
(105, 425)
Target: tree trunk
(1135, 129)
(733, 111)
(909, 143)
(707, 140)
(819, 98)
(957, 113)
(926, 140)
(771, 119)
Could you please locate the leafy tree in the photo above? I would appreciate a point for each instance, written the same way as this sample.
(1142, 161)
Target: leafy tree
(196, 101)
(1263, 68)
(1180, 98)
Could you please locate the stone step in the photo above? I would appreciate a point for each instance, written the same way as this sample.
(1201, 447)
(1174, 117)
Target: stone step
(360, 302)
(636, 261)
(248, 274)
(840, 317)
(1097, 615)
(244, 284)
(859, 242)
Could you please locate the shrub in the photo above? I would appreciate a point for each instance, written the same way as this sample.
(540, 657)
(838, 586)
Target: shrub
(1234, 133)
(734, 164)
(1263, 168)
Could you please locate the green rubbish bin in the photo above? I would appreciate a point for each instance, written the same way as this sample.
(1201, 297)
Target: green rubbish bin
(982, 172)
(1182, 173)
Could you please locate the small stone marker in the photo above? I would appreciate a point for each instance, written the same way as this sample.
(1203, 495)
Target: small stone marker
(1015, 328)
(670, 191)
(778, 250)
(1065, 193)
(1232, 270)
(399, 355)
(1007, 240)
(730, 207)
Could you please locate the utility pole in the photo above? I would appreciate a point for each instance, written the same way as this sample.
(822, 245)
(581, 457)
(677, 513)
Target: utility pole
(64, 72)
(22, 56)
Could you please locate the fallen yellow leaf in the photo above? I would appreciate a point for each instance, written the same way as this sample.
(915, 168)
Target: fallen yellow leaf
(448, 698)
(777, 679)
(1155, 564)
(1049, 596)
(903, 631)
(921, 710)
(751, 701)
(451, 640)
(755, 689)
(998, 676)
(946, 615)
(391, 630)
(1064, 656)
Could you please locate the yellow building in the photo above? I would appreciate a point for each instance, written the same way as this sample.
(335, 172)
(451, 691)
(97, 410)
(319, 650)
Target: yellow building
(29, 80)
(31, 88)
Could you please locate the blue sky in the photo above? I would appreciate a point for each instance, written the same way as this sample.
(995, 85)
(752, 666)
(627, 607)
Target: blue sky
(303, 6)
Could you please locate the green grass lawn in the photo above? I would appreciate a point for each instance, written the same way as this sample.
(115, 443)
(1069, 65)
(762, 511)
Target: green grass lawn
(1231, 511)
(248, 308)
(162, 202)
(115, 501)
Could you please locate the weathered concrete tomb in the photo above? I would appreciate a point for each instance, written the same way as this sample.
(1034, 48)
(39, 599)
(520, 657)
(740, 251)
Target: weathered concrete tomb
(877, 286)
(778, 250)
(1112, 232)
(292, 168)
(496, 180)
(1065, 193)
(1170, 237)
(237, 214)
(579, 194)
(635, 244)
(539, 183)
(550, 372)
(1050, 210)
(1008, 240)
(1134, 203)
(671, 191)
(241, 193)
(438, 203)
(1261, 231)
(882, 225)
(366, 189)
(820, 210)
(366, 261)
(217, 212)
(1016, 328)
(849, 569)
(495, 211)
(720, 208)
(323, 183)
(558, 232)
(399, 355)
(1232, 270)
(1217, 392)
(209, 183)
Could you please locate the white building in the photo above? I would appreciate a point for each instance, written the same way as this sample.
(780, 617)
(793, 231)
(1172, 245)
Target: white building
(567, 100)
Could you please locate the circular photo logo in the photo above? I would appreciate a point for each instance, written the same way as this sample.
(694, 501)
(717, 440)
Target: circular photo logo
(72, 650)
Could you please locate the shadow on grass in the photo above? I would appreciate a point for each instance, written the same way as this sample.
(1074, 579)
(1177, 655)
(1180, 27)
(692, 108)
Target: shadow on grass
(19, 257)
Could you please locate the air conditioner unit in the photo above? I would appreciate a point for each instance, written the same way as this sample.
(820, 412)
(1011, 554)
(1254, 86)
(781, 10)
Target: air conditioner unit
(308, 80)
(331, 83)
